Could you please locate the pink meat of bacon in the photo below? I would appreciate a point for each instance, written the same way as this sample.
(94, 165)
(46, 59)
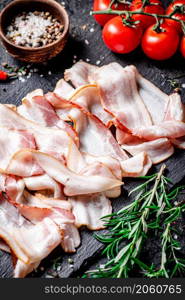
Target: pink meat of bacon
(60, 161)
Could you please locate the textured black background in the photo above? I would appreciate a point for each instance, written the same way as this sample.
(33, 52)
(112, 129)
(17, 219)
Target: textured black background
(81, 24)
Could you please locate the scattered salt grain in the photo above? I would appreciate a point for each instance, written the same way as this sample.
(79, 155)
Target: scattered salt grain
(41, 75)
(49, 73)
(86, 42)
(183, 85)
(91, 29)
(59, 268)
(175, 237)
(87, 60)
(49, 276)
(22, 79)
(98, 62)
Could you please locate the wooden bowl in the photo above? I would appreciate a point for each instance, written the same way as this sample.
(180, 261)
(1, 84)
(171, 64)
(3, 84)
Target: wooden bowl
(28, 54)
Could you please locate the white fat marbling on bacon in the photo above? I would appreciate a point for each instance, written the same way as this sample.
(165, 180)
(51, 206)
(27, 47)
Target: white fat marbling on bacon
(137, 165)
(120, 95)
(167, 129)
(158, 150)
(12, 141)
(80, 74)
(44, 182)
(74, 183)
(30, 243)
(38, 110)
(89, 209)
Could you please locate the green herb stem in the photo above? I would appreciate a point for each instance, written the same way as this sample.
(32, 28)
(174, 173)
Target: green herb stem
(128, 229)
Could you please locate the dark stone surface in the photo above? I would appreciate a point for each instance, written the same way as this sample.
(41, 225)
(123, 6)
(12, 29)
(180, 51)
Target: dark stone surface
(14, 91)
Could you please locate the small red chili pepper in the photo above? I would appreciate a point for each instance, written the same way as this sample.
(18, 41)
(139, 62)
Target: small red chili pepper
(3, 76)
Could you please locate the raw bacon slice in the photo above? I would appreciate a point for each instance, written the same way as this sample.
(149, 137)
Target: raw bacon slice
(38, 110)
(11, 141)
(90, 128)
(175, 109)
(71, 239)
(49, 140)
(54, 142)
(89, 209)
(137, 165)
(60, 213)
(2, 181)
(113, 165)
(13, 120)
(44, 182)
(37, 92)
(158, 150)
(123, 137)
(80, 74)
(89, 98)
(4, 246)
(179, 142)
(37, 241)
(86, 96)
(30, 243)
(14, 188)
(22, 269)
(23, 164)
(154, 99)
(120, 95)
(63, 89)
(167, 129)
(75, 184)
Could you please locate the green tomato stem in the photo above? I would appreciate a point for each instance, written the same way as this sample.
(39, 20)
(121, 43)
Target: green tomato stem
(130, 13)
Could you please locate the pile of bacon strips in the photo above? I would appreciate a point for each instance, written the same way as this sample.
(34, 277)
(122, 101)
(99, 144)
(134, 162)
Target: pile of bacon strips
(64, 154)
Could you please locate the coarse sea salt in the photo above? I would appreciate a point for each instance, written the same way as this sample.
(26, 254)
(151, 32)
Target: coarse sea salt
(28, 30)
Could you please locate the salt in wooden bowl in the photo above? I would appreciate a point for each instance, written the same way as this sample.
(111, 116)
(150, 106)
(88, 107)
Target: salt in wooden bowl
(30, 54)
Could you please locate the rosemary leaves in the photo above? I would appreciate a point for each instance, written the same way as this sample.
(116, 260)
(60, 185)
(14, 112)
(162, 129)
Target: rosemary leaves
(151, 210)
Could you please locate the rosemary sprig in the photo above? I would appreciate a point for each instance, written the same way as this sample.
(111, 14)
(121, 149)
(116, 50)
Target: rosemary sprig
(170, 246)
(128, 229)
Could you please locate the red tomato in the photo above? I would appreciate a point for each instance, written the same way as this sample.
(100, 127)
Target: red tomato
(103, 5)
(179, 16)
(182, 47)
(162, 45)
(154, 8)
(121, 38)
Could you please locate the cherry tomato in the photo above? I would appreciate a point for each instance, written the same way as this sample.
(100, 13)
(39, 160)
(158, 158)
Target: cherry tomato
(160, 45)
(103, 5)
(179, 16)
(154, 8)
(121, 38)
(182, 46)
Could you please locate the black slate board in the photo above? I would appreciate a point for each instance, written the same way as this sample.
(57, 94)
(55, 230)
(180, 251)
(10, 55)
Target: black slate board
(94, 50)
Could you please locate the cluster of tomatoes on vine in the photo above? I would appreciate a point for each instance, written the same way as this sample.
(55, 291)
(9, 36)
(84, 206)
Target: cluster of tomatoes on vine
(126, 25)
